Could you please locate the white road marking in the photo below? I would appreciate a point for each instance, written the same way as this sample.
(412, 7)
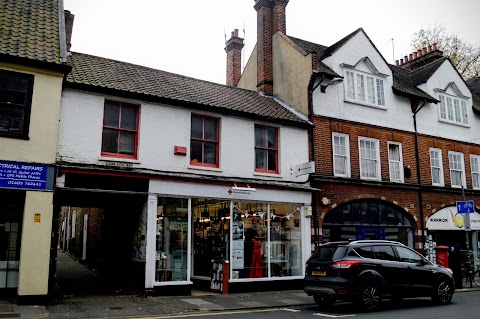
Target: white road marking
(332, 316)
(291, 310)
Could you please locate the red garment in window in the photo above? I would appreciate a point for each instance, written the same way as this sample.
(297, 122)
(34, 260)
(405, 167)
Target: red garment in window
(256, 270)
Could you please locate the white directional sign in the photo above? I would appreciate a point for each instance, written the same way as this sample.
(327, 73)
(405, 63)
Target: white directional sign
(304, 168)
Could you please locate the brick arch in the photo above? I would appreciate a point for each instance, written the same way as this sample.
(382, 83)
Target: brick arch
(378, 200)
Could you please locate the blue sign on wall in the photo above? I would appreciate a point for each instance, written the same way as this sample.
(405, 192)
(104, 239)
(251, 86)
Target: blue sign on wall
(465, 207)
(26, 176)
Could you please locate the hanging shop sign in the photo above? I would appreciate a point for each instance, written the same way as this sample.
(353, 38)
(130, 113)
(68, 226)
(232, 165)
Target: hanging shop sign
(449, 219)
(26, 176)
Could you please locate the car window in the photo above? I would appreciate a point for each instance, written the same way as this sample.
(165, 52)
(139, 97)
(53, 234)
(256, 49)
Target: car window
(329, 252)
(384, 252)
(365, 251)
(408, 255)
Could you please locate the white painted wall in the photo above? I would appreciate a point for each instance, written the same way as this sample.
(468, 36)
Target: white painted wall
(398, 114)
(161, 128)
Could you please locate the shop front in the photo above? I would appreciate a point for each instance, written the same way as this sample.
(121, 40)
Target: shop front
(204, 232)
(446, 227)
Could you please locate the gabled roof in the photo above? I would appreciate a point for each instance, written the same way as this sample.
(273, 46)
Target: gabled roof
(32, 30)
(403, 80)
(96, 74)
(474, 86)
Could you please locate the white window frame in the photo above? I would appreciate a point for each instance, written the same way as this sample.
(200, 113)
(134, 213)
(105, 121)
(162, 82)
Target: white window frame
(359, 87)
(378, 176)
(452, 109)
(460, 169)
(439, 167)
(346, 155)
(391, 162)
(475, 167)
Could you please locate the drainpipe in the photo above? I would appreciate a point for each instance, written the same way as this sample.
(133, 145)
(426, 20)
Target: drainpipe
(312, 146)
(419, 180)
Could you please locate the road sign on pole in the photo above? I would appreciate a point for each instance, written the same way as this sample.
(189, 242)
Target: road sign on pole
(465, 207)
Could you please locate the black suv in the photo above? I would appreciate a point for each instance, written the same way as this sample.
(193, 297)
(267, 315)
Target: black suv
(365, 271)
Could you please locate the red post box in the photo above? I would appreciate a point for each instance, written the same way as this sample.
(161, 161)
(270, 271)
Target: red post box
(442, 255)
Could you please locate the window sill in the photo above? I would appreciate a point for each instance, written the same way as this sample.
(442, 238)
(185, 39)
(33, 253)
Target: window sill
(375, 106)
(370, 179)
(454, 123)
(275, 175)
(205, 168)
(118, 159)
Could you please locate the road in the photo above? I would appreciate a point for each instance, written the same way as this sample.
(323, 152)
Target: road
(464, 305)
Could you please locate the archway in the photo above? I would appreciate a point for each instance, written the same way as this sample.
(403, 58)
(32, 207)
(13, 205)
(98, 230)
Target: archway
(369, 219)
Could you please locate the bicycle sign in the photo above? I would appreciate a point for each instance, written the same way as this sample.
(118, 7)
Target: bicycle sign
(465, 207)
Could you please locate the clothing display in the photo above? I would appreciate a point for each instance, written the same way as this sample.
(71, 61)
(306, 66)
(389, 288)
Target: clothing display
(256, 270)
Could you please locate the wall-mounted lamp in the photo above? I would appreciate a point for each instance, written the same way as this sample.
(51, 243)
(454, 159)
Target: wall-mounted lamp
(323, 87)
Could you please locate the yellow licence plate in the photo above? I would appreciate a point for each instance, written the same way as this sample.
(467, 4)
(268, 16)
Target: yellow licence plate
(318, 273)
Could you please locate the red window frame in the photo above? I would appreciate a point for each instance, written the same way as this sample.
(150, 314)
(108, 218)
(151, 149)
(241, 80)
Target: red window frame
(203, 140)
(265, 149)
(119, 129)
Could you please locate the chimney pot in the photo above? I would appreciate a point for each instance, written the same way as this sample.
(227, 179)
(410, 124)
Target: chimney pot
(396, 63)
(410, 57)
(234, 47)
(434, 47)
(405, 58)
(419, 51)
(401, 61)
(415, 54)
(424, 50)
(429, 48)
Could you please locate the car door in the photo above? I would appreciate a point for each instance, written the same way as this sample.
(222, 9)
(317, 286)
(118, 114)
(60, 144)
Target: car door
(419, 273)
(389, 267)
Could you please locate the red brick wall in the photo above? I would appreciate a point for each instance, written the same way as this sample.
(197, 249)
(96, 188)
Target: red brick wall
(404, 195)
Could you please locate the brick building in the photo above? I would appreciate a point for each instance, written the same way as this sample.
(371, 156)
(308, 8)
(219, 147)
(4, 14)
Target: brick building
(395, 146)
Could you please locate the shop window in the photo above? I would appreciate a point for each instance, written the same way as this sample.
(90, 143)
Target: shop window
(120, 129)
(204, 141)
(16, 91)
(266, 149)
(172, 239)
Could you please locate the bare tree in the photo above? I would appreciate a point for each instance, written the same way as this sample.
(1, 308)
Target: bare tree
(464, 56)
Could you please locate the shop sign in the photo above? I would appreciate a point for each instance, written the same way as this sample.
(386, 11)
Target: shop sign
(449, 219)
(26, 176)
(304, 168)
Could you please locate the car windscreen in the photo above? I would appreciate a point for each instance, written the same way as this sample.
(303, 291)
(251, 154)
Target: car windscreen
(329, 252)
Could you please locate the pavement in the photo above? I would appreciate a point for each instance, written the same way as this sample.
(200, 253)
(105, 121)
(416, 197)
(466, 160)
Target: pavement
(72, 303)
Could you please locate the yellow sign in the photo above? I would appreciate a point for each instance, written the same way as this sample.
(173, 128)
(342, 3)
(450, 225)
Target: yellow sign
(36, 218)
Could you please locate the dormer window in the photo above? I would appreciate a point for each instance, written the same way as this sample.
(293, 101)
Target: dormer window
(364, 88)
(453, 109)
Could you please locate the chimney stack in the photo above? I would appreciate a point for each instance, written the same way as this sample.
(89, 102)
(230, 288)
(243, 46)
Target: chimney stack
(234, 47)
(69, 17)
(270, 19)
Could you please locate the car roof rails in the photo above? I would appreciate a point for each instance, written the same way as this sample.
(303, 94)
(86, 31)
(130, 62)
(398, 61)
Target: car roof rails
(374, 241)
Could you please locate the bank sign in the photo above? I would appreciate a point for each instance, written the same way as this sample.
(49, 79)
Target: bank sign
(449, 219)
(26, 176)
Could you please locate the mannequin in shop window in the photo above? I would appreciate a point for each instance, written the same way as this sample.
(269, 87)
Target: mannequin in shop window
(256, 270)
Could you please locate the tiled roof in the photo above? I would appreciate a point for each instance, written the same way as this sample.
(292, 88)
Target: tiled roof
(100, 74)
(474, 86)
(403, 85)
(423, 73)
(30, 29)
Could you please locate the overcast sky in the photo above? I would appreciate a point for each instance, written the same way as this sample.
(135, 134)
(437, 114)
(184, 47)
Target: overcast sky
(188, 36)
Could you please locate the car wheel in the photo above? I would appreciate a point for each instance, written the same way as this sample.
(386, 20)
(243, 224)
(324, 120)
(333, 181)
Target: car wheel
(443, 291)
(324, 301)
(370, 296)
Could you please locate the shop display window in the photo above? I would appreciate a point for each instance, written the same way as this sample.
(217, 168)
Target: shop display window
(172, 239)
(266, 240)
